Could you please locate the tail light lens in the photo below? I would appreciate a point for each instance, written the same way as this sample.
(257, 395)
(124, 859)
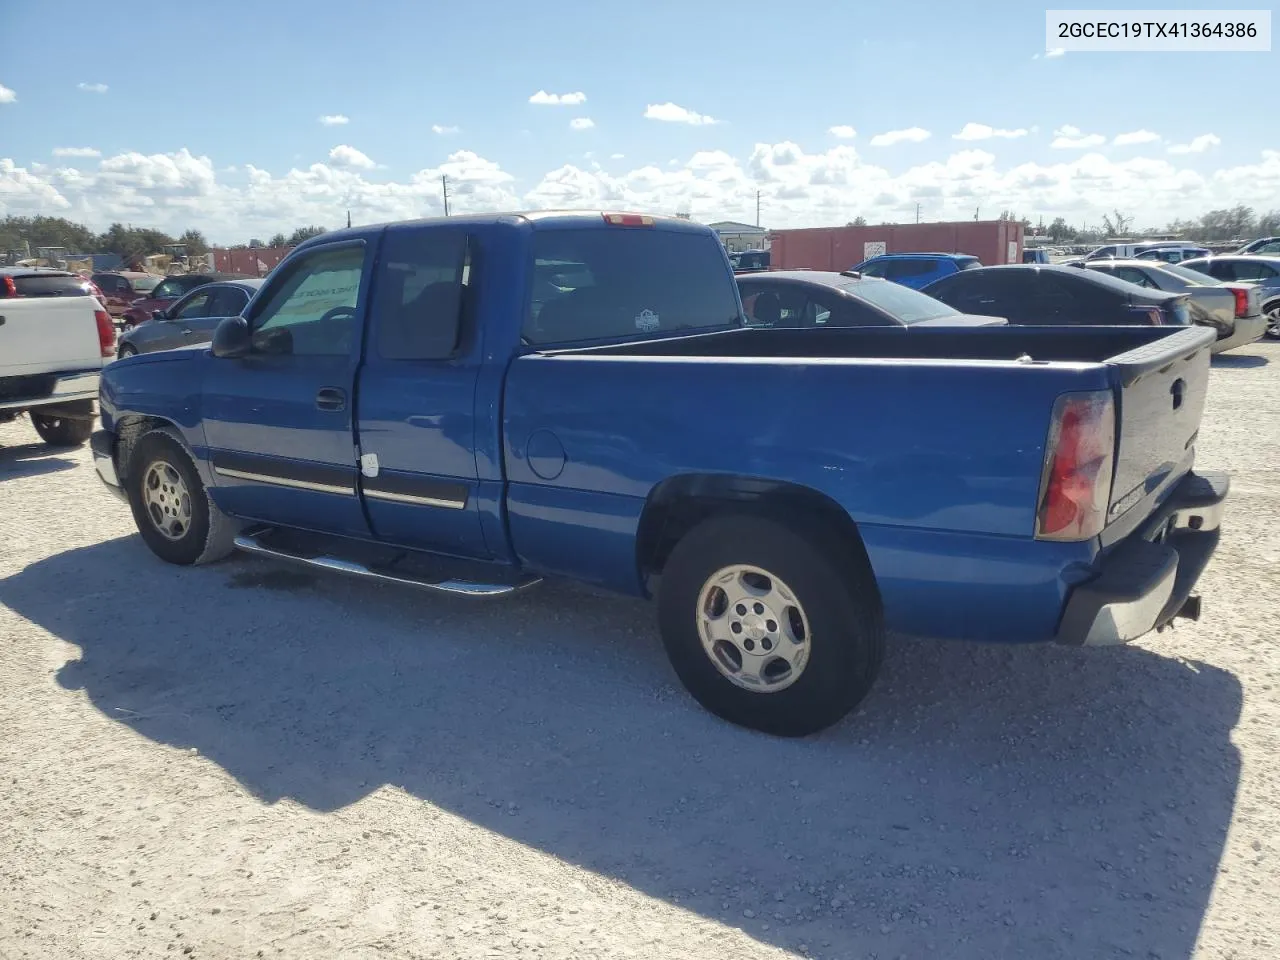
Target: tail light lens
(1075, 486)
(1242, 301)
(106, 333)
(8, 288)
(1151, 315)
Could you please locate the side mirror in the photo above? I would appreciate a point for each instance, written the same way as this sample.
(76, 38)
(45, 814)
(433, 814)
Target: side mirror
(157, 315)
(232, 339)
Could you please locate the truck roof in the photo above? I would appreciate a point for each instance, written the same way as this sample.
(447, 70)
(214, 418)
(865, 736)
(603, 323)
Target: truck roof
(538, 219)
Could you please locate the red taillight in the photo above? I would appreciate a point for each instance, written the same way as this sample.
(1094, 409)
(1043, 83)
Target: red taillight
(1079, 459)
(628, 220)
(1242, 301)
(106, 333)
(9, 288)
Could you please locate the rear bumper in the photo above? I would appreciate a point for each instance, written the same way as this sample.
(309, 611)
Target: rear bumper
(103, 445)
(62, 388)
(1247, 330)
(1147, 580)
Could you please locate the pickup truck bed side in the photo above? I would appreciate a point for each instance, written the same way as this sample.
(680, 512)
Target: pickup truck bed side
(575, 394)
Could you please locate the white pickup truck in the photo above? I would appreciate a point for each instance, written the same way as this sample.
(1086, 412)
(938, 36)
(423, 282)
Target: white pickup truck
(54, 339)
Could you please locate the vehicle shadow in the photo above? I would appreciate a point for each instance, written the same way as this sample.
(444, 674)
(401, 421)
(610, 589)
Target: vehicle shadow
(31, 460)
(985, 801)
(1239, 360)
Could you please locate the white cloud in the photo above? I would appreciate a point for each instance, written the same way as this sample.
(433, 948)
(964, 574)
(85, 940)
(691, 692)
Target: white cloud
(92, 87)
(1198, 144)
(910, 135)
(443, 130)
(1134, 138)
(673, 113)
(7, 95)
(345, 156)
(980, 131)
(581, 123)
(76, 152)
(1054, 53)
(616, 156)
(334, 119)
(179, 190)
(843, 132)
(558, 99)
(1068, 137)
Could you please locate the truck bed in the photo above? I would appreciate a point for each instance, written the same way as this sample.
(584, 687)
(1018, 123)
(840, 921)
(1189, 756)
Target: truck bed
(1053, 344)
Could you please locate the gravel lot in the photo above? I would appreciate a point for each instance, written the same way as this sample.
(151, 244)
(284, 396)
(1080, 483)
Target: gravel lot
(245, 760)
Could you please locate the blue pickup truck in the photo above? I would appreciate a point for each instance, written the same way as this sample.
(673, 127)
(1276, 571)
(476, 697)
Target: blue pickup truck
(473, 403)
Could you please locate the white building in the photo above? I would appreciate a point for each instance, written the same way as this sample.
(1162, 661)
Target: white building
(741, 236)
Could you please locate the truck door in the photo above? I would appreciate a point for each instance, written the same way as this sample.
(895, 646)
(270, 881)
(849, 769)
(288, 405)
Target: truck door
(416, 415)
(278, 422)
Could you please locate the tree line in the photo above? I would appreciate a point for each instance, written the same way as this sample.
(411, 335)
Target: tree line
(1216, 226)
(27, 233)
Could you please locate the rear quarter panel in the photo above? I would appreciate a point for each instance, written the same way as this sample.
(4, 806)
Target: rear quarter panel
(938, 462)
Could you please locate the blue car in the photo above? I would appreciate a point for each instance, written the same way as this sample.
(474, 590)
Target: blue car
(916, 270)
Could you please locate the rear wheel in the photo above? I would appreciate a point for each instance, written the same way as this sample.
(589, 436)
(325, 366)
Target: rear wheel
(1272, 310)
(773, 626)
(170, 506)
(126, 350)
(61, 431)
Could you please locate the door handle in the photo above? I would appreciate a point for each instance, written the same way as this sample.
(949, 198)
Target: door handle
(331, 398)
(187, 331)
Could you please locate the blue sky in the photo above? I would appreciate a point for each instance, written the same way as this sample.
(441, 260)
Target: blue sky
(775, 76)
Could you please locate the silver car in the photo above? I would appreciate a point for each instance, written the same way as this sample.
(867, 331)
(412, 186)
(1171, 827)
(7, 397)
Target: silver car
(1259, 271)
(191, 320)
(1232, 309)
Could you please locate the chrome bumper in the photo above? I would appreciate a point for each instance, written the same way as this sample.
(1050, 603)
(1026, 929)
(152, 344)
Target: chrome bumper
(74, 386)
(1147, 580)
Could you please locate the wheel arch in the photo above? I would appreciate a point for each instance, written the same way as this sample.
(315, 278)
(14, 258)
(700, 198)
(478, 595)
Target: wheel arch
(129, 428)
(679, 503)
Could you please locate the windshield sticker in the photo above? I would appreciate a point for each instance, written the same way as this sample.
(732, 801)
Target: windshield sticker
(647, 321)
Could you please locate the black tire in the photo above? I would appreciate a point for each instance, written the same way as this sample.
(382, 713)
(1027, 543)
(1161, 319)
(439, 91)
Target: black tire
(831, 582)
(209, 535)
(1272, 310)
(61, 431)
(126, 350)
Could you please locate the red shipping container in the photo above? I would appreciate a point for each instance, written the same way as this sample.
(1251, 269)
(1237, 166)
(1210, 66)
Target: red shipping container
(249, 262)
(841, 248)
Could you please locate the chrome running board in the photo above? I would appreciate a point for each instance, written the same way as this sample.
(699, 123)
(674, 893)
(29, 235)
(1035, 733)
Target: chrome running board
(252, 543)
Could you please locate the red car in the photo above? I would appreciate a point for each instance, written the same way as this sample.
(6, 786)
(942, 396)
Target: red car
(164, 293)
(121, 288)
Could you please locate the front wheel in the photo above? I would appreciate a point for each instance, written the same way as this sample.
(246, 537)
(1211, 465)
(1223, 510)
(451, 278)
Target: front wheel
(61, 431)
(126, 350)
(173, 512)
(773, 626)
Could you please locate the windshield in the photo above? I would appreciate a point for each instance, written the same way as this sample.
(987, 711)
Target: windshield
(1189, 275)
(907, 305)
(144, 284)
(601, 284)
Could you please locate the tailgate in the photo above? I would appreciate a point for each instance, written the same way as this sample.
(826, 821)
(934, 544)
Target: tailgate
(48, 335)
(1161, 391)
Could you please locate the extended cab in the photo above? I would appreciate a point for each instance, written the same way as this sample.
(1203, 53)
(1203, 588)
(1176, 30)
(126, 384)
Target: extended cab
(54, 339)
(472, 403)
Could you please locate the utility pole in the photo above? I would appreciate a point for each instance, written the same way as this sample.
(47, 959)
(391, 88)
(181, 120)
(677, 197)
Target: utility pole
(348, 219)
(757, 208)
(444, 186)
(917, 213)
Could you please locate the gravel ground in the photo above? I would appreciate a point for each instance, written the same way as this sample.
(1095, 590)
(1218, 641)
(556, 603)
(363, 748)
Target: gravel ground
(245, 760)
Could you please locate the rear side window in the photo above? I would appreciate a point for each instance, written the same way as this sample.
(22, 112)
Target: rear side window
(897, 269)
(418, 296)
(613, 282)
(227, 302)
(46, 285)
